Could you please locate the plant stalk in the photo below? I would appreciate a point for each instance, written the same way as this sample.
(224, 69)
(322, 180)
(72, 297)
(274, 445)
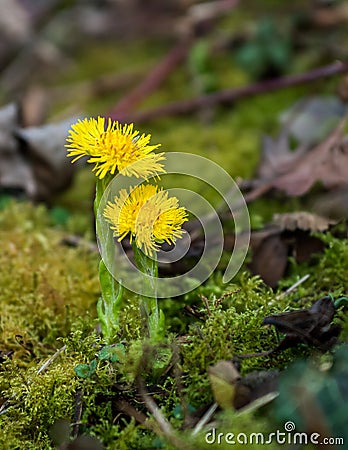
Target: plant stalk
(152, 316)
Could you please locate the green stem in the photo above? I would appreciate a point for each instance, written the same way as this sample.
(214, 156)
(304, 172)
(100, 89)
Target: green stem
(100, 187)
(152, 316)
(110, 302)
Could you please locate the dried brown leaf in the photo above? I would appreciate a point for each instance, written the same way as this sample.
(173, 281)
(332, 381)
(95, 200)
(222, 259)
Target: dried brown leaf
(295, 173)
(288, 234)
(302, 220)
(223, 376)
(232, 390)
(277, 157)
(327, 162)
(310, 326)
(270, 259)
(33, 160)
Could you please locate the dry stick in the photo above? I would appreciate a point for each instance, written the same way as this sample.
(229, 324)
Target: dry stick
(51, 359)
(162, 426)
(162, 422)
(205, 419)
(291, 288)
(230, 95)
(7, 404)
(126, 408)
(176, 55)
(77, 413)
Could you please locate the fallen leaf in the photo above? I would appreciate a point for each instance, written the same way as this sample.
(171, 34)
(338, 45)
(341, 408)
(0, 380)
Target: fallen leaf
(333, 203)
(277, 157)
(302, 220)
(327, 162)
(303, 246)
(288, 234)
(46, 153)
(15, 173)
(310, 326)
(254, 386)
(223, 376)
(232, 390)
(270, 259)
(33, 162)
(295, 172)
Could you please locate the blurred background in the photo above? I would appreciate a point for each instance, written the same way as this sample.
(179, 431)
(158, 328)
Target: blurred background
(217, 78)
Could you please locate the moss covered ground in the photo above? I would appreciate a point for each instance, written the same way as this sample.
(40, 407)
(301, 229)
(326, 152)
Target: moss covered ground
(48, 298)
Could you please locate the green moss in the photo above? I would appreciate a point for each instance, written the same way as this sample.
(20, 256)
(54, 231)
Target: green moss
(37, 401)
(59, 285)
(237, 322)
(39, 276)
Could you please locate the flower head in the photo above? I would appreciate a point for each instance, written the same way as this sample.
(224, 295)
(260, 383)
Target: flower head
(112, 146)
(148, 215)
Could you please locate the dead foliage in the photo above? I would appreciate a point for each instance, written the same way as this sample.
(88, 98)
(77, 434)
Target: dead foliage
(312, 326)
(33, 161)
(295, 172)
(230, 389)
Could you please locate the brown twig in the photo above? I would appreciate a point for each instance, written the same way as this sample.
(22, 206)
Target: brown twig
(77, 413)
(160, 72)
(196, 15)
(230, 95)
(126, 408)
(51, 359)
(165, 427)
(161, 426)
(205, 418)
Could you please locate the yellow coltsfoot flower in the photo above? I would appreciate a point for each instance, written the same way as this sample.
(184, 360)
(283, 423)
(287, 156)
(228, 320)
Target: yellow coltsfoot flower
(148, 215)
(114, 147)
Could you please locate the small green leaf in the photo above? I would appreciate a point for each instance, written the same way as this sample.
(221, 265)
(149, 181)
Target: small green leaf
(178, 412)
(341, 301)
(158, 443)
(86, 370)
(163, 357)
(112, 352)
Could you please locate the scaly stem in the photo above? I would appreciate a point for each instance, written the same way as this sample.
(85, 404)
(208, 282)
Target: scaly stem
(110, 302)
(152, 316)
(100, 187)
